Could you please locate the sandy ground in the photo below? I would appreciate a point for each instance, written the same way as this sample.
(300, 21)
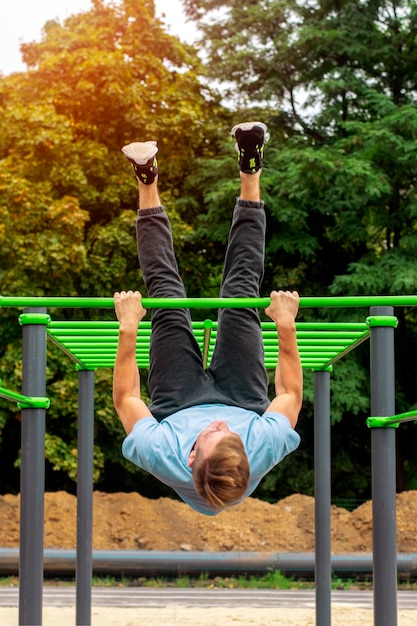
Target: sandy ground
(216, 616)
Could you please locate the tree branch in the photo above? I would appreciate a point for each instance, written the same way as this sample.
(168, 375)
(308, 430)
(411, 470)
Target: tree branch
(309, 131)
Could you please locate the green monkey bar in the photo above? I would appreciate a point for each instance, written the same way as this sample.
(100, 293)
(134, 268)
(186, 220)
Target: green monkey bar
(93, 345)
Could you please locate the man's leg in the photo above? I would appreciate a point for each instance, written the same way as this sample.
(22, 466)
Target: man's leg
(176, 369)
(238, 362)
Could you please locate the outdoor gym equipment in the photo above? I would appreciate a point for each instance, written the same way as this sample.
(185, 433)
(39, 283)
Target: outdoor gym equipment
(92, 345)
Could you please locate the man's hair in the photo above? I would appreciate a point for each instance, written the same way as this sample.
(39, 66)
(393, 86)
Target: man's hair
(223, 478)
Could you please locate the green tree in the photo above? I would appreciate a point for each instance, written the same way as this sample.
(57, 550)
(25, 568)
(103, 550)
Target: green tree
(108, 76)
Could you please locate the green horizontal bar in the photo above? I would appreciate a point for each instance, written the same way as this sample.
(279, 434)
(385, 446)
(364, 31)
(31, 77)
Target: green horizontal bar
(326, 334)
(359, 327)
(56, 302)
(110, 340)
(25, 402)
(314, 347)
(62, 326)
(391, 421)
(105, 364)
(336, 344)
(63, 333)
(350, 326)
(83, 353)
(313, 358)
(317, 352)
(203, 303)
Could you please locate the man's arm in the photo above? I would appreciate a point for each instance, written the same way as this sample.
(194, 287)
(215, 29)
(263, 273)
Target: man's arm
(126, 382)
(288, 374)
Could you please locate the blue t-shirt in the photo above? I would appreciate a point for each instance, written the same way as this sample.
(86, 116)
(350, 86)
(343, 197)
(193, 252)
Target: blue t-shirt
(163, 448)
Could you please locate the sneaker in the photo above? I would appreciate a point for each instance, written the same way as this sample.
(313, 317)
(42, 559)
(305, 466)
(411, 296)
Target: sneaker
(250, 138)
(141, 155)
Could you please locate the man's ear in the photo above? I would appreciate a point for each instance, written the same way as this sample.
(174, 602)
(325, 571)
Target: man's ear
(191, 458)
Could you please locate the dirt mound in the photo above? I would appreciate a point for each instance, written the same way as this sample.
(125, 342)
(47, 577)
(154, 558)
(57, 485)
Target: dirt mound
(127, 521)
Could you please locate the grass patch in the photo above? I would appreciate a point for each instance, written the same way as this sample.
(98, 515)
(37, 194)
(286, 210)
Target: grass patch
(272, 580)
(9, 581)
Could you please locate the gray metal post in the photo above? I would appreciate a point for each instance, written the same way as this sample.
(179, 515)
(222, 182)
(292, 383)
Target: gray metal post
(32, 477)
(383, 473)
(84, 560)
(322, 490)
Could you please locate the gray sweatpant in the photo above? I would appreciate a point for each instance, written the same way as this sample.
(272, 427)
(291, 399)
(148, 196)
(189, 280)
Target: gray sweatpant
(236, 375)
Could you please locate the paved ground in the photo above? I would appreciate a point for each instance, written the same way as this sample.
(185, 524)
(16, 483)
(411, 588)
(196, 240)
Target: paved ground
(143, 597)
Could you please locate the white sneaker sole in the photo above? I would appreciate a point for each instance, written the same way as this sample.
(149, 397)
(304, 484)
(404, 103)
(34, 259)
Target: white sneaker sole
(248, 126)
(140, 151)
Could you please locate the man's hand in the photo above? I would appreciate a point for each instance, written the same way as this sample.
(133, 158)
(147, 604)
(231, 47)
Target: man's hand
(129, 309)
(283, 308)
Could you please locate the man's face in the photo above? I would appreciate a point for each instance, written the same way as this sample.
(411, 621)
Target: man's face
(208, 439)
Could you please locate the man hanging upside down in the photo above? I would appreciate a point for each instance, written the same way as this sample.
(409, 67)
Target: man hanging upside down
(210, 435)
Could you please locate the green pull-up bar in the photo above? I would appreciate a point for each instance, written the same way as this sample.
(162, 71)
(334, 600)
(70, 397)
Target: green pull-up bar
(392, 421)
(24, 402)
(207, 303)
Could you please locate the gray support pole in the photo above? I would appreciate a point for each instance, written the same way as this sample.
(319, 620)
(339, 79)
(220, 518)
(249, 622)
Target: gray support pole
(383, 474)
(322, 490)
(84, 559)
(32, 476)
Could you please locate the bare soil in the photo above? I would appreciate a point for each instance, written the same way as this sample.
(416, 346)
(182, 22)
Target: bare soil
(127, 521)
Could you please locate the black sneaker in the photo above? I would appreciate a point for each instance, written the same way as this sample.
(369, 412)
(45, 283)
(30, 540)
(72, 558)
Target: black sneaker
(141, 154)
(250, 138)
